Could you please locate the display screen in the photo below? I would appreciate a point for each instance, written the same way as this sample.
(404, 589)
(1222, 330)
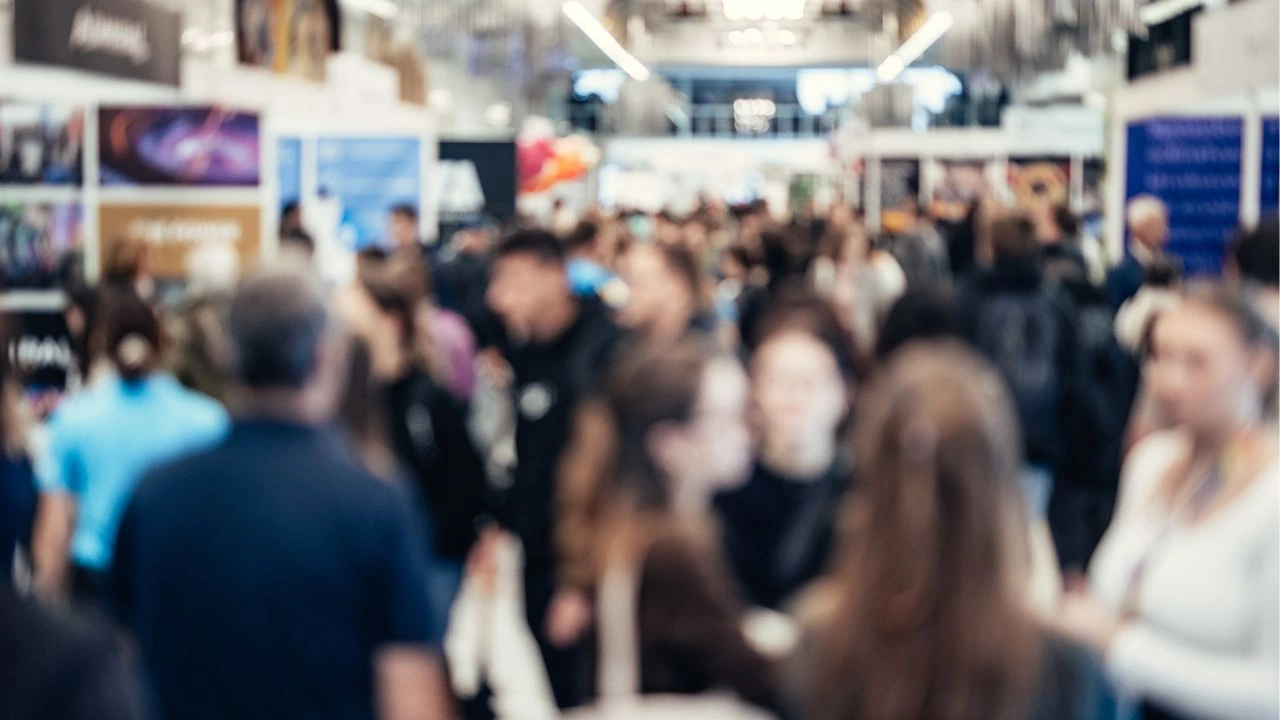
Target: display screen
(40, 144)
(179, 146)
(34, 240)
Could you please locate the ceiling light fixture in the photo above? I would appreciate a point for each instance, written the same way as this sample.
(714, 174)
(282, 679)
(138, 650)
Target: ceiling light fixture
(915, 46)
(786, 37)
(1158, 11)
(591, 27)
(752, 35)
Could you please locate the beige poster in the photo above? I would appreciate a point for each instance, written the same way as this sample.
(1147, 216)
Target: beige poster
(174, 231)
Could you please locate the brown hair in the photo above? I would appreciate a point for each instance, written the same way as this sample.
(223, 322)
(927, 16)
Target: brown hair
(929, 622)
(132, 336)
(124, 259)
(609, 483)
(399, 287)
(1013, 236)
(12, 429)
(362, 414)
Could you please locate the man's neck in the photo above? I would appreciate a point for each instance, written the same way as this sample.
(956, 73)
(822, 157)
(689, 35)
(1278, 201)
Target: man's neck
(293, 407)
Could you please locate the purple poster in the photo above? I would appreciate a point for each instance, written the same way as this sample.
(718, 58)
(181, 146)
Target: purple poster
(178, 146)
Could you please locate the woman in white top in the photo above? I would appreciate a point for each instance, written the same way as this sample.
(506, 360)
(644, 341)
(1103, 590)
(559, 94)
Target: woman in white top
(1184, 591)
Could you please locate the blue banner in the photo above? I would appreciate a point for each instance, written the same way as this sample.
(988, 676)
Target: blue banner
(367, 177)
(289, 162)
(1192, 164)
(1270, 164)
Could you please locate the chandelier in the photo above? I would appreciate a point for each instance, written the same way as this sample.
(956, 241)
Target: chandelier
(1015, 39)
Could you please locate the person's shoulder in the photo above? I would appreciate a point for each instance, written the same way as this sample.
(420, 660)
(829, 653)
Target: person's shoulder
(1072, 683)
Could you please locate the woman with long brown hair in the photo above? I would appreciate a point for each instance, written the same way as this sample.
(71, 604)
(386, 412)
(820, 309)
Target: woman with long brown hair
(924, 618)
(668, 432)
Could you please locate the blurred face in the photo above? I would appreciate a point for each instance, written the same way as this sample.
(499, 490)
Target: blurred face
(695, 237)
(521, 287)
(1201, 372)
(1152, 231)
(799, 390)
(404, 230)
(714, 448)
(654, 286)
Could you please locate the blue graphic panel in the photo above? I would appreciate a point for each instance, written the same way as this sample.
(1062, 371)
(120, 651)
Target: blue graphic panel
(368, 176)
(1270, 202)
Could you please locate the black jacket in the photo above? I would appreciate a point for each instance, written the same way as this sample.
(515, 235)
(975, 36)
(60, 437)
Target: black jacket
(1023, 283)
(428, 431)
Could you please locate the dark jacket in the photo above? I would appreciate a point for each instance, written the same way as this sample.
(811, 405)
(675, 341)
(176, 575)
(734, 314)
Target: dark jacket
(428, 431)
(1124, 280)
(777, 531)
(1022, 282)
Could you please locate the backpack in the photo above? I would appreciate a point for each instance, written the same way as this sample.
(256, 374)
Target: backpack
(1021, 334)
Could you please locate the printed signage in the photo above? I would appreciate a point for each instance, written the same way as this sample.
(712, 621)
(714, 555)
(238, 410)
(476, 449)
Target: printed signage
(1270, 201)
(365, 178)
(174, 231)
(206, 146)
(127, 38)
(899, 192)
(1193, 164)
(289, 164)
(40, 350)
(476, 180)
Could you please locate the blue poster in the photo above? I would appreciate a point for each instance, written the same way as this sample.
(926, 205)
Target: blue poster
(367, 177)
(289, 161)
(1270, 164)
(1192, 164)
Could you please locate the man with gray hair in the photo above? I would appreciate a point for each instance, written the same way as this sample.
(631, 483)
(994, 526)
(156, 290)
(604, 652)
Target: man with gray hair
(1147, 218)
(273, 577)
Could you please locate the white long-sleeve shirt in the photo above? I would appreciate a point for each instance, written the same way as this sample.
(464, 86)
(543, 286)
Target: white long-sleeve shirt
(1205, 642)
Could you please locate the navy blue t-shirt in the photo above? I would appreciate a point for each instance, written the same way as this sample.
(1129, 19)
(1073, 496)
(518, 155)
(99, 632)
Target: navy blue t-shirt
(260, 578)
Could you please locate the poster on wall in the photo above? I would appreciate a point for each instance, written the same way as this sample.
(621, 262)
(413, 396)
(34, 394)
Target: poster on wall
(1035, 181)
(899, 192)
(35, 238)
(954, 185)
(290, 37)
(359, 180)
(204, 146)
(477, 180)
(289, 168)
(1192, 164)
(125, 38)
(1270, 201)
(174, 231)
(40, 144)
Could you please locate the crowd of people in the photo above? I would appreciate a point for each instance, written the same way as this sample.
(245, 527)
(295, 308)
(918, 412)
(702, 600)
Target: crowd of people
(714, 465)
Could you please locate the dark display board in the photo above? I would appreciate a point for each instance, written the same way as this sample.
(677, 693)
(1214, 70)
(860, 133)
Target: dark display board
(1270, 201)
(1192, 164)
(203, 146)
(126, 38)
(477, 180)
(899, 190)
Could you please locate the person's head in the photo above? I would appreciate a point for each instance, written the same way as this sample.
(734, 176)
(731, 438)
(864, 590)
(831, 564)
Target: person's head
(389, 317)
(298, 243)
(664, 283)
(803, 373)
(928, 619)
(694, 235)
(668, 430)
(131, 336)
(474, 238)
(127, 261)
(290, 217)
(1213, 360)
(1255, 254)
(922, 314)
(1148, 219)
(583, 241)
(285, 347)
(402, 223)
(1012, 238)
(527, 278)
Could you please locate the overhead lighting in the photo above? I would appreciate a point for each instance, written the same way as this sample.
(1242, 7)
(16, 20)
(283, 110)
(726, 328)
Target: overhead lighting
(385, 9)
(763, 9)
(736, 37)
(604, 40)
(795, 11)
(915, 46)
(1158, 11)
(752, 35)
(733, 9)
(786, 37)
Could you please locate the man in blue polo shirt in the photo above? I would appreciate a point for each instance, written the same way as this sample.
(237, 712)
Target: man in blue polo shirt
(273, 577)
